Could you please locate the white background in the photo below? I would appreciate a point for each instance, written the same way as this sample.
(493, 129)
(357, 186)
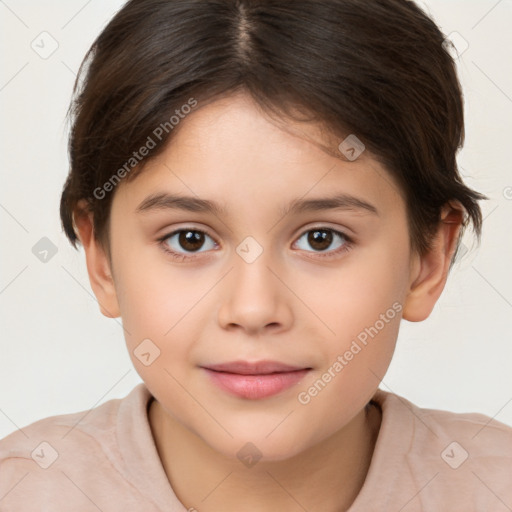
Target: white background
(60, 355)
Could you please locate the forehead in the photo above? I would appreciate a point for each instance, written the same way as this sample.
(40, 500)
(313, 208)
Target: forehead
(229, 154)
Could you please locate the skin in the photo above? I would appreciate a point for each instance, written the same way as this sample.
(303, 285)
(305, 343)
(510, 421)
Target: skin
(289, 305)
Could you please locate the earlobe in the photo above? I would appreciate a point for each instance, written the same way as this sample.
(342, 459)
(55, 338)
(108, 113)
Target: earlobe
(429, 272)
(98, 265)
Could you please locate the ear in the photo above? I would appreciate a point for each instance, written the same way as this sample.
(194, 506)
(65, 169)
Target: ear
(98, 265)
(430, 272)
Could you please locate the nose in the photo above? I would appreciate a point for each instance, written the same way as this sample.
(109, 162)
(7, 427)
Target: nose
(255, 298)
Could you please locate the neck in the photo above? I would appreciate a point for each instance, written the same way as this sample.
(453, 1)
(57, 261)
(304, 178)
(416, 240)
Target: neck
(327, 476)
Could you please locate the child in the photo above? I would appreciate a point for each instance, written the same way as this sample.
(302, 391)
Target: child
(263, 191)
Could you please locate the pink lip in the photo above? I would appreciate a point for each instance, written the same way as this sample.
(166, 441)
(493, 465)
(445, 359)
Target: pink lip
(255, 380)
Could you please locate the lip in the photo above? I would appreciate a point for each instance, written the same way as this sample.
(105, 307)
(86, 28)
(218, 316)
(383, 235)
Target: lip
(260, 379)
(254, 368)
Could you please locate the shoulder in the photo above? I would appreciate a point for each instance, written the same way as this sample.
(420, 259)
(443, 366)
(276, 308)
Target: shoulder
(463, 460)
(484, 435)
(64, 453)
(59, 430)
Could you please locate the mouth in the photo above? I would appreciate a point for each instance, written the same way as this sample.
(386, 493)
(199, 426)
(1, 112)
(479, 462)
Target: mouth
(255, 380)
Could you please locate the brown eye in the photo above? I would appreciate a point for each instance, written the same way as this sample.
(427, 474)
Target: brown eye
(320, 239)
(190, 240)
(183, 241)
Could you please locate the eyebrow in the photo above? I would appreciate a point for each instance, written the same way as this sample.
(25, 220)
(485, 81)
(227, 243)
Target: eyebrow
(166, 201)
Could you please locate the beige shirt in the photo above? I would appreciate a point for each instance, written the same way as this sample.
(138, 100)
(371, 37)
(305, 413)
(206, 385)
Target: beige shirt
(105, 460)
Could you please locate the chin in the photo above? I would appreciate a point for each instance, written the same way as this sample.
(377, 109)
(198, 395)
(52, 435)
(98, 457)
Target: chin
(252, 449)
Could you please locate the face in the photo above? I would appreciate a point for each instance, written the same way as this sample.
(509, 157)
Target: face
(316, 289)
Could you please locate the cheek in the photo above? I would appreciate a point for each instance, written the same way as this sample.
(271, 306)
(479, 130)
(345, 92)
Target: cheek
(362, 304)
(354, 295)
(153, 293)
(161, 303)
(354, 362)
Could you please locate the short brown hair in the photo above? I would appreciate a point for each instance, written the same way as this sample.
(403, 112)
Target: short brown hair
(378, 69)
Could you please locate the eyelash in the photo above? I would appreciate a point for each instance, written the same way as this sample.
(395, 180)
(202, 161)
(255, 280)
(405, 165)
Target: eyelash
(347, 246)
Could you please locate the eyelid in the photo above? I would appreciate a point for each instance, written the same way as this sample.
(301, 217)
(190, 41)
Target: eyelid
(345, 231)
(167, 232)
